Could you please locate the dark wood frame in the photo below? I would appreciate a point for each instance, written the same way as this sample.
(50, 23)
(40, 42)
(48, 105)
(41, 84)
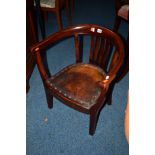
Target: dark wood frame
(106, 84)
(31, 39)
(59, 4)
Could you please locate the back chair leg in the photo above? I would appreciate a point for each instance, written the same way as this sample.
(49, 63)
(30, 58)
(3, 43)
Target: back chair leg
(69, 10)
(59, 20)
(27, 86)
(116, 24)
(124, 72)
(109, 94)
(45, 14)
(125, 67)
(72, 7)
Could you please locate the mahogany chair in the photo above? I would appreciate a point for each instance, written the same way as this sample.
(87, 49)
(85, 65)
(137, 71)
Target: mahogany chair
(122, 14)
(55, 6)
(84, 87)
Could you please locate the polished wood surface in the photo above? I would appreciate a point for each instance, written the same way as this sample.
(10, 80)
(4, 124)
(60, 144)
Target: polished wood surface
(31, 39)
(71, 84)
(68, 5)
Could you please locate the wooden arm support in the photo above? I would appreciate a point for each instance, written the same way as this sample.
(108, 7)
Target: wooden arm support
(106, 82)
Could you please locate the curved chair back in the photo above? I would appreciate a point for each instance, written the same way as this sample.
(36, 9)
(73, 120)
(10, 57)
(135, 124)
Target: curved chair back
(106, 47)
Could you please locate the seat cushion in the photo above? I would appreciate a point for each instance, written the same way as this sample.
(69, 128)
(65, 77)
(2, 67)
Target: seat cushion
(47, 3)
(123, 12)
(79, 83)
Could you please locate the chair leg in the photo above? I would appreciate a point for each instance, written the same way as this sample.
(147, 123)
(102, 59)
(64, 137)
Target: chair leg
(49, 99)
(93, 122)
(27, 86)
(124, 72)
(73, 7)
(59, 20)
(125, 67)
(116, 24)
(45, 16)
(68, 8)
(109, 94)
(109, 100)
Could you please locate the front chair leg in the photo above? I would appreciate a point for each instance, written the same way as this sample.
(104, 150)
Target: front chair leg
(93, 122)
(49, 99)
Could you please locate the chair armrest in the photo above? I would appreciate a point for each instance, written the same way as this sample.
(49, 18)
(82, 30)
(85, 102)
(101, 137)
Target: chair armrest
(106, 82)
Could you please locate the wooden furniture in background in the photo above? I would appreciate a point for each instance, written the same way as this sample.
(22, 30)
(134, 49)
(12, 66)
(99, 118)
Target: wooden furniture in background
(56, 6)
(31, 38)
(122, 14)
(83, 86)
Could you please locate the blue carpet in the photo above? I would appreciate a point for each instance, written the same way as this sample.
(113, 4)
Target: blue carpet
(63, 130)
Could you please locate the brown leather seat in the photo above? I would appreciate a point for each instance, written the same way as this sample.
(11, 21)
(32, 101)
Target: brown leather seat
(79, 82)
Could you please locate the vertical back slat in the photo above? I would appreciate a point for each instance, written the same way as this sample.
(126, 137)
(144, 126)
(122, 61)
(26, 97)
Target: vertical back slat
(106, 54)
(101, 53)
(114, 60)
(92, 48)
(96, 49)
(77, 48)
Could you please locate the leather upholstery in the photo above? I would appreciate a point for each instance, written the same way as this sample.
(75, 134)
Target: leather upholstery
(79, 82)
